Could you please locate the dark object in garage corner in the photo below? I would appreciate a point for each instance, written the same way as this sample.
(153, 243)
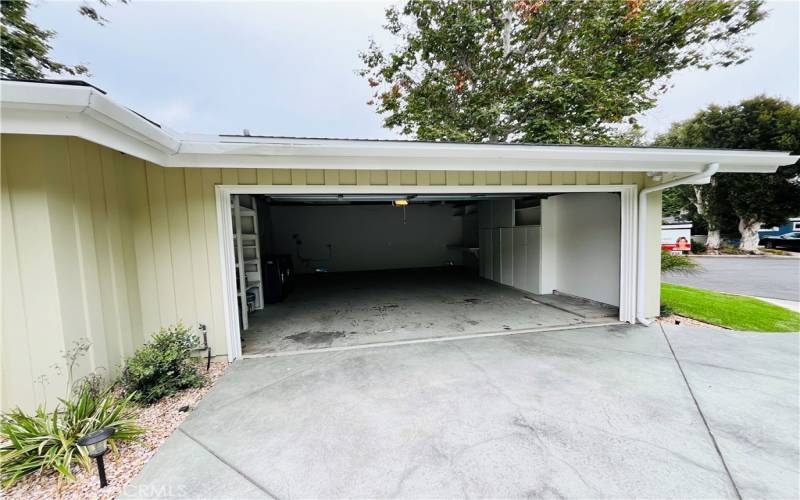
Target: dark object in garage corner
(788, 241)
(287, 272)
(278, 273)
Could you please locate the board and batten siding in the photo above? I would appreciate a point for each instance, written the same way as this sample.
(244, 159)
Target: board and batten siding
(104, 246)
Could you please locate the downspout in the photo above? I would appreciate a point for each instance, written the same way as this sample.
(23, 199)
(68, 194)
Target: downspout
(699, 178)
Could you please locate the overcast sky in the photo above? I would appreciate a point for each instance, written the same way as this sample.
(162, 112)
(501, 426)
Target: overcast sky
(289, 68)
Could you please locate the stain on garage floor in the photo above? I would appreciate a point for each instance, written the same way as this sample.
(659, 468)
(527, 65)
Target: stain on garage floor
(346, 309)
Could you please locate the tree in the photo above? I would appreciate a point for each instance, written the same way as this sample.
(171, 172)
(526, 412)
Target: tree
(550, 71)
(763, 123)
(25, 48)
(674, 203)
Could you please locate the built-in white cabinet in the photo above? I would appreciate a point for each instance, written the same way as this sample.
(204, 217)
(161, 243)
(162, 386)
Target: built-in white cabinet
(507, 255)
(520, 259)
(497, 255)
(486, 250)
(527, 253)
(511, 256)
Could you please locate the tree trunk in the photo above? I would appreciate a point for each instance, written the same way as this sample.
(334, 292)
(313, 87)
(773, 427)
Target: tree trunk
(713, 241)
(713, 237)
(748, 228)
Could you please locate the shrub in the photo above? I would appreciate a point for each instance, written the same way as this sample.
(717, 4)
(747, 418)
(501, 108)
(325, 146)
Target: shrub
(48, 441)
(677, 263)
(163, 366)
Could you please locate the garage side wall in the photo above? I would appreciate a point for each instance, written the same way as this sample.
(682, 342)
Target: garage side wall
(100, 245)
(583, 248)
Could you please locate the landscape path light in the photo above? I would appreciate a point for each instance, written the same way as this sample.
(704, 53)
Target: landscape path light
(96, 444)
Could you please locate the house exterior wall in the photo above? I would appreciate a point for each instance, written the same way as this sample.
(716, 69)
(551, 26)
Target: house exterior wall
(101, 245)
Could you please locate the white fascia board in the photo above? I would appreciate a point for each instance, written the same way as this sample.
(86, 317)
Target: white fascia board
(24, 95)
(335, 154)
(84, 112)
(112, 115)
(51, 109)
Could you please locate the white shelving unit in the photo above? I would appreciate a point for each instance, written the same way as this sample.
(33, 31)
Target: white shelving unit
(248, 255)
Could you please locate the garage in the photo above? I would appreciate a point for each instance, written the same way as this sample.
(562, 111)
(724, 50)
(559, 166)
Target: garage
(341, 270)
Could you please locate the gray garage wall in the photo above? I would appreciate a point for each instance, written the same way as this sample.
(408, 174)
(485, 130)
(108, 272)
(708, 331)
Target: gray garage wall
(367, 237)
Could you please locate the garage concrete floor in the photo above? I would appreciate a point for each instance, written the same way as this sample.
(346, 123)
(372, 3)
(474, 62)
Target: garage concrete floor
(588, 413)
(346, 309)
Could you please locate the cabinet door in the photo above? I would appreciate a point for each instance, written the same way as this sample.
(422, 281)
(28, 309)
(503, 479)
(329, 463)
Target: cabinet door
(485, 253)
(520, 259)
(497, 255)
(507, 258)
(533, 255)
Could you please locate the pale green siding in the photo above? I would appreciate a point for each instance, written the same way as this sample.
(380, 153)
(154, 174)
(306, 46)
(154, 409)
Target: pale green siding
(102, 245)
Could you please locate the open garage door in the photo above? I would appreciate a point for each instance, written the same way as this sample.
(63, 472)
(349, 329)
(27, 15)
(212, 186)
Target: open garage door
(338, 270)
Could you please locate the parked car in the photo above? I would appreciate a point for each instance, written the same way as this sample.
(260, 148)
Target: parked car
(788, 241)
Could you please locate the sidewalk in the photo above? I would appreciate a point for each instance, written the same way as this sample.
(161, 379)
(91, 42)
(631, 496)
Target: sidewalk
(792, 305)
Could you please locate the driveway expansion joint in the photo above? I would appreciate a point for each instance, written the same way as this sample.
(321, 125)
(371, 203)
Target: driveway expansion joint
(702, 415)
(229, 465)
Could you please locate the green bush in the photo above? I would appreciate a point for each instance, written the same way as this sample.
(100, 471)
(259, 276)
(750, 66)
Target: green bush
(45, 441)
(163, 366)
(677, 263)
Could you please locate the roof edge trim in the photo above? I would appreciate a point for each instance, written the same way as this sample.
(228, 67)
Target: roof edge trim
(84, 111)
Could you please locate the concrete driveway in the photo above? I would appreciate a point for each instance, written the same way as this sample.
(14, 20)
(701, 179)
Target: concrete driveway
(768, 277)
(595, 412)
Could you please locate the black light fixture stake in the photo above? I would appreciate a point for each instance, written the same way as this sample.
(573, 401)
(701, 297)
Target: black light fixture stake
(95, 444)
(101, 470)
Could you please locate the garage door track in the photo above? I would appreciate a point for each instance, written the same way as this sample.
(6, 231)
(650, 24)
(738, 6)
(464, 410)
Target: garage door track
(597, 412)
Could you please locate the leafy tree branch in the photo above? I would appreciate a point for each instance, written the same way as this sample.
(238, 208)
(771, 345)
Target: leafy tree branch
(552, 71)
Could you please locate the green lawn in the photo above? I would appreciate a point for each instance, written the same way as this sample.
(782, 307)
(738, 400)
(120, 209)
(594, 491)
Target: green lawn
(731, 311)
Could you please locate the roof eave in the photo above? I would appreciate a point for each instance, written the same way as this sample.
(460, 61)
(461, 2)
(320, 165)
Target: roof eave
(49, 109)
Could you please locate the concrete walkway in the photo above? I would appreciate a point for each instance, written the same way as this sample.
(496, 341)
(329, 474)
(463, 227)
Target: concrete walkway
(792, 305)
(597, 412)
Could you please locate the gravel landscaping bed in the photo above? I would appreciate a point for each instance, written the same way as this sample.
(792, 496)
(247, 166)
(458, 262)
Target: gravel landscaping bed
(674, 319)
(158, 420)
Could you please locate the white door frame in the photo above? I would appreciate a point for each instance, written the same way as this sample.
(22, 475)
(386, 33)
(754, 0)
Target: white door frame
(628, 214)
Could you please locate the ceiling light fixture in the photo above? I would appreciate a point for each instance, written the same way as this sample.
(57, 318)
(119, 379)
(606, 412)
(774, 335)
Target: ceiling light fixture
(402, 202)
